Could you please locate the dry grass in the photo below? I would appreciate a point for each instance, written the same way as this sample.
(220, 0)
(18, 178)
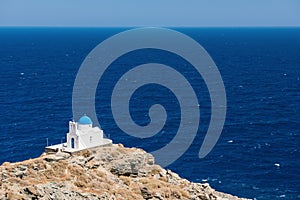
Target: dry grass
(163, 178)
(84, 153)
(126, 180)
(185, 194)
(155, 170)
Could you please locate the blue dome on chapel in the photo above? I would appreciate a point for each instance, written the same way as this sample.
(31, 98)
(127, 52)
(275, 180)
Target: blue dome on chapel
(85, 120)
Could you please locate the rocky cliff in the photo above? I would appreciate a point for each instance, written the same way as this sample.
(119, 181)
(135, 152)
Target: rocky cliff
(113, 172)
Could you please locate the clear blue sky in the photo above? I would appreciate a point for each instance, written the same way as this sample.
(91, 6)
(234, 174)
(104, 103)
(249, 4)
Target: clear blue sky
(166, 13)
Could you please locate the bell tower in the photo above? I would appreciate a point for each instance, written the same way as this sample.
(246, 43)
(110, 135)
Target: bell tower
(72, 136)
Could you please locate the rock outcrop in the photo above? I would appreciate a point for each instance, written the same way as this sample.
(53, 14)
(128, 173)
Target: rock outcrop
(108, 173)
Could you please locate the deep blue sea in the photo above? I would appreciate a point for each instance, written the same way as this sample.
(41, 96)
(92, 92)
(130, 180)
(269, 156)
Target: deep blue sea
(260, 68)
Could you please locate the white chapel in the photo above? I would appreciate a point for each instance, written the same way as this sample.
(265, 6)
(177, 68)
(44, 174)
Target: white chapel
(81, 135)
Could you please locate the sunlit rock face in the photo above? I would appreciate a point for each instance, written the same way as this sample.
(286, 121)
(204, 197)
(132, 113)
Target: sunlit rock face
(112, 172)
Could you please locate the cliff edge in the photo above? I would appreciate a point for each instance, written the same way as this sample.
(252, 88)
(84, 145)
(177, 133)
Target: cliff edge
(111, 173)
